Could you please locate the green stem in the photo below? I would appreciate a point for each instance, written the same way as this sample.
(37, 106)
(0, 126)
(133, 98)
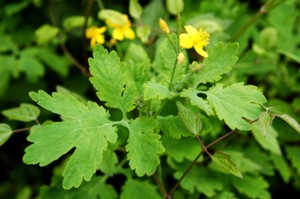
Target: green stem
(100, 4)
(269, 5)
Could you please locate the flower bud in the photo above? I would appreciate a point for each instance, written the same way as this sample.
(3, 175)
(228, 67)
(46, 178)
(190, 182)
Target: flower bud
(164, 26)
(180, 58)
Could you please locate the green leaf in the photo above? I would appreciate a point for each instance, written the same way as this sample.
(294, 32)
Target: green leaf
(172, 126)
(95, 189)
(221, 59)
(252, 186)
(24, 113)
(191, 119)
(144, 146)
(7, 64)
(199, 178)
(282, 167)
(59, 64)
(110, 80)
(143, 32)
(291, 121)
(86, 128)
(293, 154)
(134, 189)
(268, 142)
(109, 162)
(265, 120)
(5, 133)
(113, 16)
(236, 102)
(226, 163)
(76, 22)
(157, 91)
(185, 148)
(31, 66)
(45, 33)
(135, 9)
(175, 6)
(196, 100)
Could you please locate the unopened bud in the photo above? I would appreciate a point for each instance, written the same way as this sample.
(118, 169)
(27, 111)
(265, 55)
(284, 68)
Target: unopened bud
(180, 58)
(164, 26)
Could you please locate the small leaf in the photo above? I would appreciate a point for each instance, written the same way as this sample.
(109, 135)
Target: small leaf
(225, 161)
(293, 154)
(113, 16)
(172, 126)
(282, 166)
(155, 90)
(136, 189)
(135, 9)
(291, 121)
(24, 113)
(76, 22)
(143, 32)
(191, 120)
(268, 142)
(5, 133)
(175, 6)
(265, 120)
(45, 33)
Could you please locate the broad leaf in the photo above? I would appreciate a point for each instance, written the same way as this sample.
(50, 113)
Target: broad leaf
(196, 100)
(185, 148)
(236, 102)
(24, 113)
(252, 186)
(5, 133)
(282, 166)
(226, 163)
(293, 154)
(199, 178)
(94, 189)
(134, 189)
(110, 80)
(172, 126)
(221, 59)
(86, 128)
(144, 146)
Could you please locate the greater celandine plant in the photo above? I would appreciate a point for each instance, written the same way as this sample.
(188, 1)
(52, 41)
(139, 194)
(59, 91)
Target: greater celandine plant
(146, 110)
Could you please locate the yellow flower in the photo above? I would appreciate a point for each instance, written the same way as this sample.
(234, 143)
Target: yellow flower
(121, 31)
(194, 38)
(164, 26)
(96, 35)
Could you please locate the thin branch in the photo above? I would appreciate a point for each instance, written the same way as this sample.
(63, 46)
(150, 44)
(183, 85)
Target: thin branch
(84, 43)
(21, 130)
(160, 184)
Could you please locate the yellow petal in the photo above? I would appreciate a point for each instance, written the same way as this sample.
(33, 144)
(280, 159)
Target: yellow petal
(117, 34)
(100, 39)
(101, 30)
(185, 41)
(129, 34)
(191, 30)
(200, 51)
(90, 32)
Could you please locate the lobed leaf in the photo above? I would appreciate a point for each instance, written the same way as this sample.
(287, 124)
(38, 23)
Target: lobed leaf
(155, 90)
(110, 80)
(144, 146)
(190, 119)
(86, 128)
(220, 61)
(236, 102)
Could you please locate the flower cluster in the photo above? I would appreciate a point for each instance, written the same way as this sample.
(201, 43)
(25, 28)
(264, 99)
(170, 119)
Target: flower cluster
(119, 32)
